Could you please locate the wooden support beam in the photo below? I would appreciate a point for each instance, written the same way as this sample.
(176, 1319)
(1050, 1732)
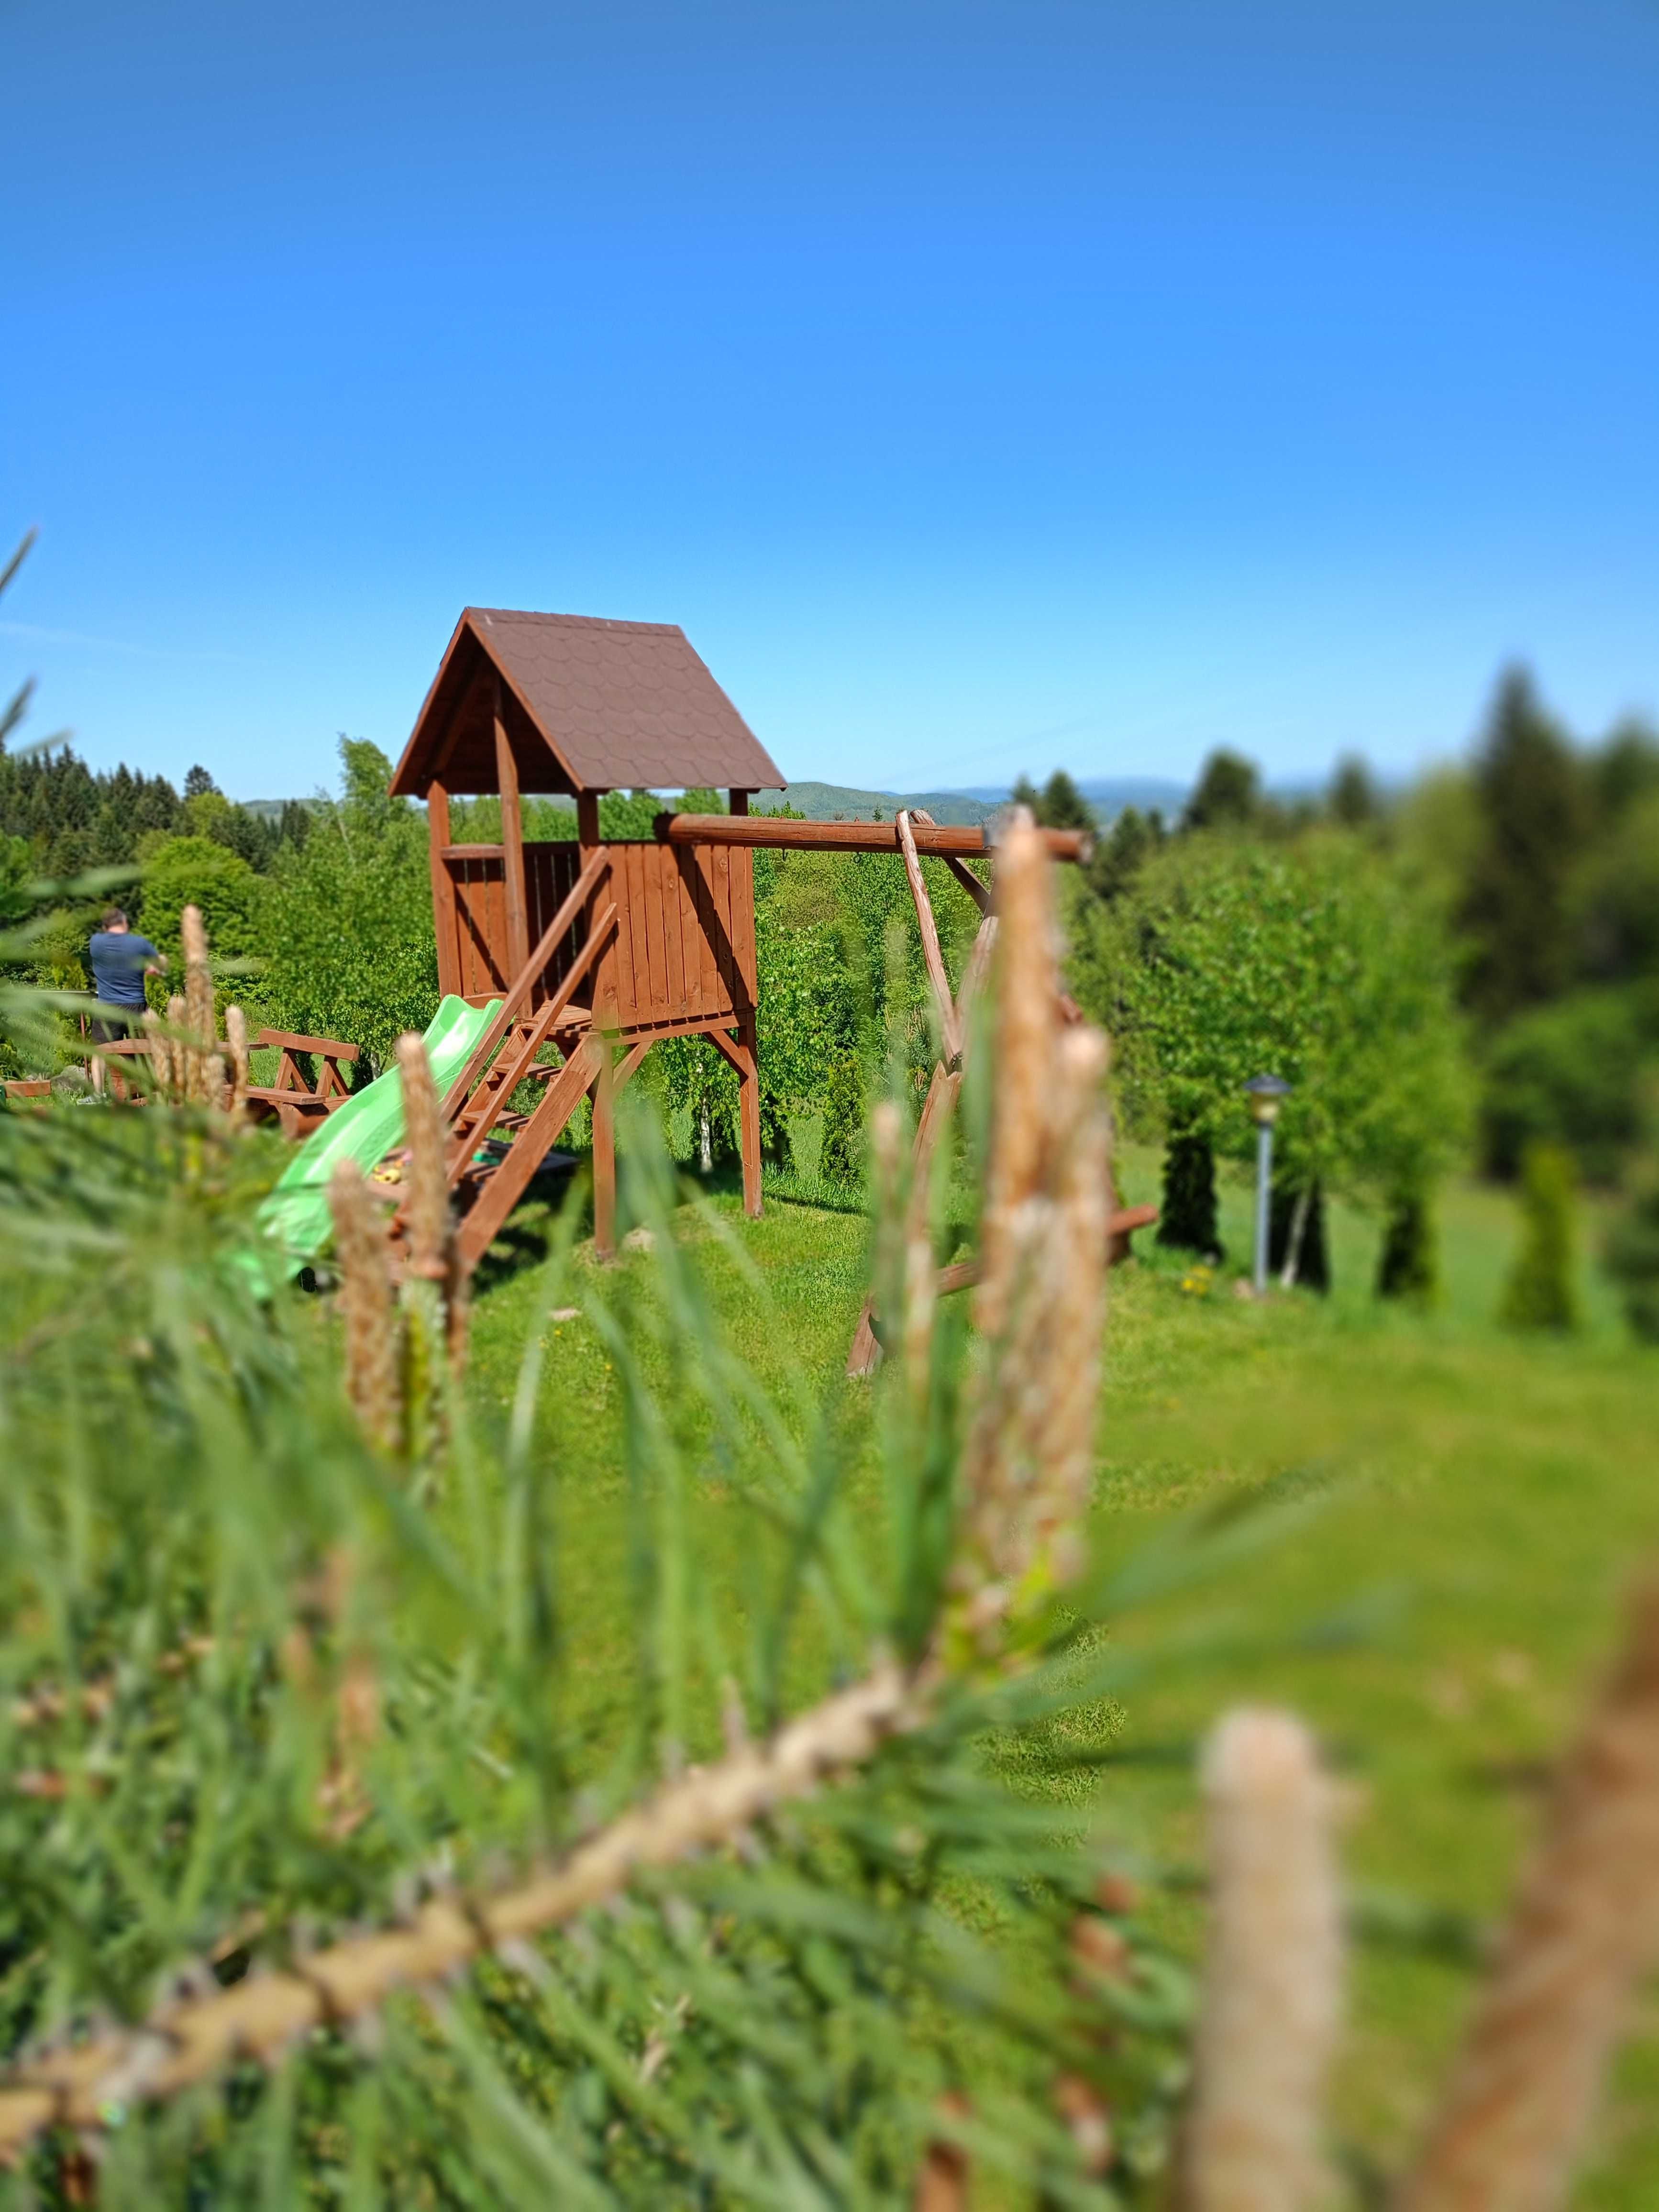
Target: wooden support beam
(749, 1119)
(776, 831)
(604, 1152)
(741, 1052)
(518, 903)
(443, 889)
(944, 1004)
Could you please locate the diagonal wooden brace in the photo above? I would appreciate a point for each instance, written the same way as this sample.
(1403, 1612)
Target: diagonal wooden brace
(950, 1027)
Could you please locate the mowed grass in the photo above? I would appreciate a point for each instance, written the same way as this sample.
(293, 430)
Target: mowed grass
(1474, 1502)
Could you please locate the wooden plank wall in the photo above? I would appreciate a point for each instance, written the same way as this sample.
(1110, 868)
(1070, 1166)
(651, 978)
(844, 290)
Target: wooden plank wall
(684, 948)
(685, 934)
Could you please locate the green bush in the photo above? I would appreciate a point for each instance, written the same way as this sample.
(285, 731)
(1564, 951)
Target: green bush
(1632, 1259)
(1570, 1074)
(1319, 961)
(352, 952)
(842, 1159)
(183, 872)
(1540, 1291)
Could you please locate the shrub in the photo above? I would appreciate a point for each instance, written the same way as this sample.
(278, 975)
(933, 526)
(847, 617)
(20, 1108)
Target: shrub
(1571, 1075)
(200, 871)
(1540, 1291)
(1632, 1259)
(1319, 961)
(842, 1159)
(1187, 1219)
(1407, 1267)
(351, 944)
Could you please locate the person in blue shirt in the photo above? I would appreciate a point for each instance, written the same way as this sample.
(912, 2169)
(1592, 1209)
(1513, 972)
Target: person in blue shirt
(119, 959)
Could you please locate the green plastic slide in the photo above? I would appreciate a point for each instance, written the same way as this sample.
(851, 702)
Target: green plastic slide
(365, 1129)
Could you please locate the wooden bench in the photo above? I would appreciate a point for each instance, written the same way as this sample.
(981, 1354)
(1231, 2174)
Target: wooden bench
(290, 1101)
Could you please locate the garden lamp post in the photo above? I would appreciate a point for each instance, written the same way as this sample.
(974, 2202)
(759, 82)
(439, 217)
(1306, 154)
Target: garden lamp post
(1264, 1093)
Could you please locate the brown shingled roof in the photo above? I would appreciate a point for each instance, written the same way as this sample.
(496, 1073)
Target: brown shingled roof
(613, 704)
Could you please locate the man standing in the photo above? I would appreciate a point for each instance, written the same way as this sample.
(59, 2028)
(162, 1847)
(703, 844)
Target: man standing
(120, 960)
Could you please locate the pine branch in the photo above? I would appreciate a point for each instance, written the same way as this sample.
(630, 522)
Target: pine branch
(261, 2017)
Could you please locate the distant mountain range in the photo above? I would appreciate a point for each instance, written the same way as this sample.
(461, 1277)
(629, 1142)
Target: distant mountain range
(843, 802)
(1109, 795)
(827, 802)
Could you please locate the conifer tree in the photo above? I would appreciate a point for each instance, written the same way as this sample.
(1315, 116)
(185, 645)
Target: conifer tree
(1227, 795)
(1187, 1218)
(1540, 1293)
(1406, 1267)
(1633, 1261)
(1118, 855)
(1353, 799)
(1061, 805)
(1532, 797)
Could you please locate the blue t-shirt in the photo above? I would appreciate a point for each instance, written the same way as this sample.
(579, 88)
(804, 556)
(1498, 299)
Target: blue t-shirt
(119, 958)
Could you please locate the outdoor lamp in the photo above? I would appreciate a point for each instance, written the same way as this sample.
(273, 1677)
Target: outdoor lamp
(1264, 1093)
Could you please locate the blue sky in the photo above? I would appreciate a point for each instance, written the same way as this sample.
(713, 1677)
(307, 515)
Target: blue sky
(982, 386)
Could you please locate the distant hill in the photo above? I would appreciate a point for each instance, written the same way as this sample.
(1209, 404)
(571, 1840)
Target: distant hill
(1108, 795)
(832, 802)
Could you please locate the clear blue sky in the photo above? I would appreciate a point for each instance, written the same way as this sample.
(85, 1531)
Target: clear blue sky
(982, 384)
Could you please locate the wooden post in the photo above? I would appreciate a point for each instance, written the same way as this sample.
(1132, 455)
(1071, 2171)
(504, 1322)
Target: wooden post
(749, 1124)
(739, 801)
(950, 1028)
(587, 836)
(443, 890)
(740, 1052)
(518, 904)
(605, 1153)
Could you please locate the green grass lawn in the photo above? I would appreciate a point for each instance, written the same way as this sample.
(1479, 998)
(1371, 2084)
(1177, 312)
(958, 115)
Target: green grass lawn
(1488, 1495)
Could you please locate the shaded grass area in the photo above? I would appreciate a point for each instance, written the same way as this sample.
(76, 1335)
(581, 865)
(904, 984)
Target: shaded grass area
(1476, 1501)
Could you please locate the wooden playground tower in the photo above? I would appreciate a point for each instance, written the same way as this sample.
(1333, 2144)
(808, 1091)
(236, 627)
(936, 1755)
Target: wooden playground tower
(600, 947)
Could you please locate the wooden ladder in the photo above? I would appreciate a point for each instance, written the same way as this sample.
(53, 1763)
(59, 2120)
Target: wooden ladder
(505, 1056)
